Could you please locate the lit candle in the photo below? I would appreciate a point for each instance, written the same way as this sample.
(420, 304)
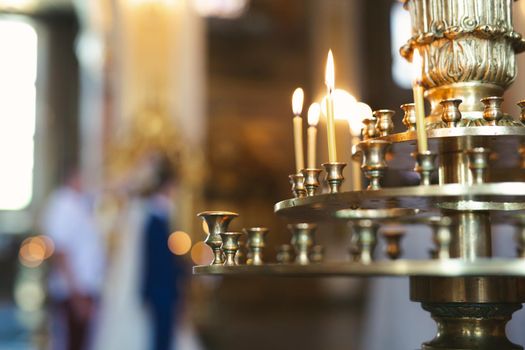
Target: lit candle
(297, 107)
(330, 119)
(422, 144)
(313, 118)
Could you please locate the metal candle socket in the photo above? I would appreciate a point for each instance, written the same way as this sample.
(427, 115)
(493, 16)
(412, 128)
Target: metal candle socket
(311, 180)
(384, 124)
(478, 162)
(284, 254)
(256, 243)
(409, 119)
(334, 175)
(297, 182)
(363, 241)
(230, 246)
(492, 112)
(451, 114)
(373, 161)
(425, 166)
(393, 242)
(217, 222)
(302, 241)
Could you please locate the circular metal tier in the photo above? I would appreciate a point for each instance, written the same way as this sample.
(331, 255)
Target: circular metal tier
(506, 132)
(439, 268)
(503, 196)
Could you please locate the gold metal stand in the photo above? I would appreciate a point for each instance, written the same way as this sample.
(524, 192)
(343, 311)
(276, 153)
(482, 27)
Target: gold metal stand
(468, 49)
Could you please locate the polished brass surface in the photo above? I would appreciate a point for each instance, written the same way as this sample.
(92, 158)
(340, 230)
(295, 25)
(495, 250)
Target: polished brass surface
(441, 236)
(364, 240)
(217, 222)
(425, 166)
(297, 182)
(478, 163)
(230, 246)
(471, 326)
(334, 176)
(393, 239)
(488, 196)
(302, 241)
(375, 214)
(284, 254)
(492, 112)
(401, 267)
(373, 163)
(385, 124)
(256, 244)
(369, 130)
(451, 115)
(409, 119)
(311, 180)
(471, 235)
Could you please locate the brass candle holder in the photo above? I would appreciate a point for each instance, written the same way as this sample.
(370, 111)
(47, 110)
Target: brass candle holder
(451, 115)
(230, 246)
(334, 176)
(425, 166)
(365, 240)
(393, 239)
(384, 124)
(372, 154)
(409, 119)
(478, 162)
(256, 244)
(492, 112)
(217, 223)
(284, 254)
(369, 130)
(302, 241)
(297, 182)
(311, 180)
(317, 254)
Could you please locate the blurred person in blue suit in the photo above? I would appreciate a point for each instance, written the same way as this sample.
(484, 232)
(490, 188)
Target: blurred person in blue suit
(163, 272)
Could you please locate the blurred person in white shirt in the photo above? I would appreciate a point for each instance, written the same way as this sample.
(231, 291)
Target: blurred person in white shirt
(77, 266)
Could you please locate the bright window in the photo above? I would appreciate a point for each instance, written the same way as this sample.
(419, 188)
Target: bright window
(400, 32)
(18, 66)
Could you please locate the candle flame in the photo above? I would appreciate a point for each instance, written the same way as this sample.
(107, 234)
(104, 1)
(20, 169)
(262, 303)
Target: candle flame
(297, 101)
(343, 104)
(330, 72)
(417, 66)
(313, 114)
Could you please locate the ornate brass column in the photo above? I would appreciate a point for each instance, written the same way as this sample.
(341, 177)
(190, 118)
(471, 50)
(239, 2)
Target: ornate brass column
(468, 49)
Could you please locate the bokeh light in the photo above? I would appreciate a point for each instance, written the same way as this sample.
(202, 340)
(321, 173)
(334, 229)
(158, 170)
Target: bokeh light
(344, 104)
(179, 243)
(34, 250)
(201, 254)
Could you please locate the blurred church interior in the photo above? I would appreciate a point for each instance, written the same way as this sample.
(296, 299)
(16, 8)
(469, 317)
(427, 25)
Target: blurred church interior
(101, 84)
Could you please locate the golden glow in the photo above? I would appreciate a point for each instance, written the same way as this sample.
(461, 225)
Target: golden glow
(417, 66)
(329, 77)
(205, 227)
(201, 254)
(344, 104)
(360, 112)
(153, 2)
(297, 101)
(314, 112)
(179, 243)
(34, 250)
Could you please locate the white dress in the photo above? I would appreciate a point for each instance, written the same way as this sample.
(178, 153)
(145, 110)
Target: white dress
(122, 320)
